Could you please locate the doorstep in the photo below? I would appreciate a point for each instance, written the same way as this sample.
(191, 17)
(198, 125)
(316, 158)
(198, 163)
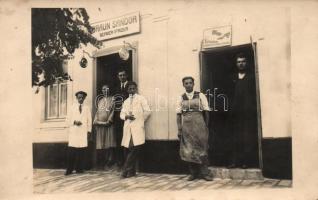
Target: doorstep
(237, 173)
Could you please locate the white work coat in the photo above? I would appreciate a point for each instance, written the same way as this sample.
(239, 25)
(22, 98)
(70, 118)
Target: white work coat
(78, 134)
(135, 129)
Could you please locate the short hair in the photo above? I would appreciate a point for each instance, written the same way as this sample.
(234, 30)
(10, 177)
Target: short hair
(81, 92)
(129, 83)
(240, 55)
(187, 77)
(121, 69)
(110, 87)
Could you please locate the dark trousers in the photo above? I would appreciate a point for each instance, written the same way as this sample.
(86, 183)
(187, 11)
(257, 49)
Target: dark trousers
(132, 157)
(198, 170)
(75, 158)
(119, 154)
(105, 157)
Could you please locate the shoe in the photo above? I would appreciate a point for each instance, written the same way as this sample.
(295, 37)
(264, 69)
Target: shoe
(67, 173)
(191, 177)
(79, 171)
(123, 175)
(106, 167)
(131, 174)
(207, 178)
(231, 166)
(110, 163)
(244, 166)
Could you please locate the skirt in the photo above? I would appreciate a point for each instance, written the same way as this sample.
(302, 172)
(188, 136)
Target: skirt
(105, 137)
(194, 140)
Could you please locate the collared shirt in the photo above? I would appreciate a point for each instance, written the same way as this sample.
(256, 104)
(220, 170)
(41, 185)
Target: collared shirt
(241, 75)
(122, 85)
(203, 100)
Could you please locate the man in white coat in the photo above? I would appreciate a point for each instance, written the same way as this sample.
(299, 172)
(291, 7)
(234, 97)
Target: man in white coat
(135, 112)
(80, 122)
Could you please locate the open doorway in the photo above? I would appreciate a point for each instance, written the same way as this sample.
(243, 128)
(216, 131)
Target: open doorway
(107, 68)
(106, 72)
(218, 68)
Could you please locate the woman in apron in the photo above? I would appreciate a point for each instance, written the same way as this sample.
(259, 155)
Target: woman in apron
(192, 120)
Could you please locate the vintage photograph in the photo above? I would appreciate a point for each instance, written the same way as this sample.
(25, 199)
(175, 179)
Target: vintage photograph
(179, 96)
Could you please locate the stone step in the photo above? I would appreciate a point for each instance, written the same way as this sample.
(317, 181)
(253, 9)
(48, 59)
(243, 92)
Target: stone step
(236, 173)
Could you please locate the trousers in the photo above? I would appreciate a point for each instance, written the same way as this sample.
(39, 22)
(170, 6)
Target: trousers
(75, 159)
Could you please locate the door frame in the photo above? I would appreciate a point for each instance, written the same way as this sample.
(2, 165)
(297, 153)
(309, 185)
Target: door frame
(112, 50)
(253, 46)
(104, 52)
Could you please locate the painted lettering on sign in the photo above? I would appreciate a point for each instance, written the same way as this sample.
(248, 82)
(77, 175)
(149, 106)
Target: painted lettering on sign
(117, 27)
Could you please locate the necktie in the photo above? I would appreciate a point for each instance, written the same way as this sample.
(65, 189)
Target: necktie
(80, 108)
(122, 87)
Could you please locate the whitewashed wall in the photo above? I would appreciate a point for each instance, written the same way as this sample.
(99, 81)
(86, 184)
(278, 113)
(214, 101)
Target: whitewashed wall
(168, 48)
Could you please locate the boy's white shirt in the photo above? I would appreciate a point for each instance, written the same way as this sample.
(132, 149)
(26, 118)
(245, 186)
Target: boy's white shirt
(138, 106)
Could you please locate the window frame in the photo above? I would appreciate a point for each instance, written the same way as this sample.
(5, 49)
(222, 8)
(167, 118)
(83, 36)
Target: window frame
(59, 116)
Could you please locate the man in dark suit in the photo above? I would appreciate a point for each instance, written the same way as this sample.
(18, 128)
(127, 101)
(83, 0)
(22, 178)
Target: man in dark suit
(120, 96)
(243, 117)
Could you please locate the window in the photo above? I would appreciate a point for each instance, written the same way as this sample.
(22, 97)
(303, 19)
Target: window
(56, 101)
(56, 97)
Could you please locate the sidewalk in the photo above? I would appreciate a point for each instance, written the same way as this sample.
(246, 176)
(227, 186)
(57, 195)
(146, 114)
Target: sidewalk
(54, 181)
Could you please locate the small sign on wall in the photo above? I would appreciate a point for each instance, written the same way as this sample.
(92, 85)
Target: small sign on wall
(117, 27)
(217, 37)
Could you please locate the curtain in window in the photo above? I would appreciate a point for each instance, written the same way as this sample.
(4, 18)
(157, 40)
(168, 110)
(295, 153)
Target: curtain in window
(63, 100)
(53, 101)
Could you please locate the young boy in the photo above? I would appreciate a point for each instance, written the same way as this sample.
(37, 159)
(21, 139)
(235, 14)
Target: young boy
(80, 125)
(135, 112)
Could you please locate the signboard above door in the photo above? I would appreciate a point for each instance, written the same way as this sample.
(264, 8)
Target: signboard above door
(217, 37)
(117, 27)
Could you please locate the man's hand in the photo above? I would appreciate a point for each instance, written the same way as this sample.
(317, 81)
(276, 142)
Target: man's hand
(130, 117)
(77, 123)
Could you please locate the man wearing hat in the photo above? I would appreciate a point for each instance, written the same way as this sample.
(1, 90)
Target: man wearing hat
(80, 123)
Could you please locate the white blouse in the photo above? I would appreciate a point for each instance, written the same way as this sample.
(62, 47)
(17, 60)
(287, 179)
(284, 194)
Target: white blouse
(203, 100)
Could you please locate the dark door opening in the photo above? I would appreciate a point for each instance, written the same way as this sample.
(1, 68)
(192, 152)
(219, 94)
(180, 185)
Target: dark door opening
(107, 68)
(218, 67)
(106, 73)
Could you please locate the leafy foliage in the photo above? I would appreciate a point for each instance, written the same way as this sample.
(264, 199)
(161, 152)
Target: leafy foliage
(56, 34)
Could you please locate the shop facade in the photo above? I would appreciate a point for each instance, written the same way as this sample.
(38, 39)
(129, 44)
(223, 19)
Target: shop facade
(158, 48)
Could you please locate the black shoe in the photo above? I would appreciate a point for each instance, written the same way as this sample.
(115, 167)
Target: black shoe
(244, 166)
(79, 171)
(207, 178)
(131, 174)
(231, 166)
(110, 164)
(67, 173)
(123, 175)
(191, 177)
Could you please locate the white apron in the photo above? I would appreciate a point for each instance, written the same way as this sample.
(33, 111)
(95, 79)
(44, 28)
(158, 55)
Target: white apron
(78, 134)
(135, 129)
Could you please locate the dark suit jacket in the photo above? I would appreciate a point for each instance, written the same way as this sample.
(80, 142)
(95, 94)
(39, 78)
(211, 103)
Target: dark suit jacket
(120, 96)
